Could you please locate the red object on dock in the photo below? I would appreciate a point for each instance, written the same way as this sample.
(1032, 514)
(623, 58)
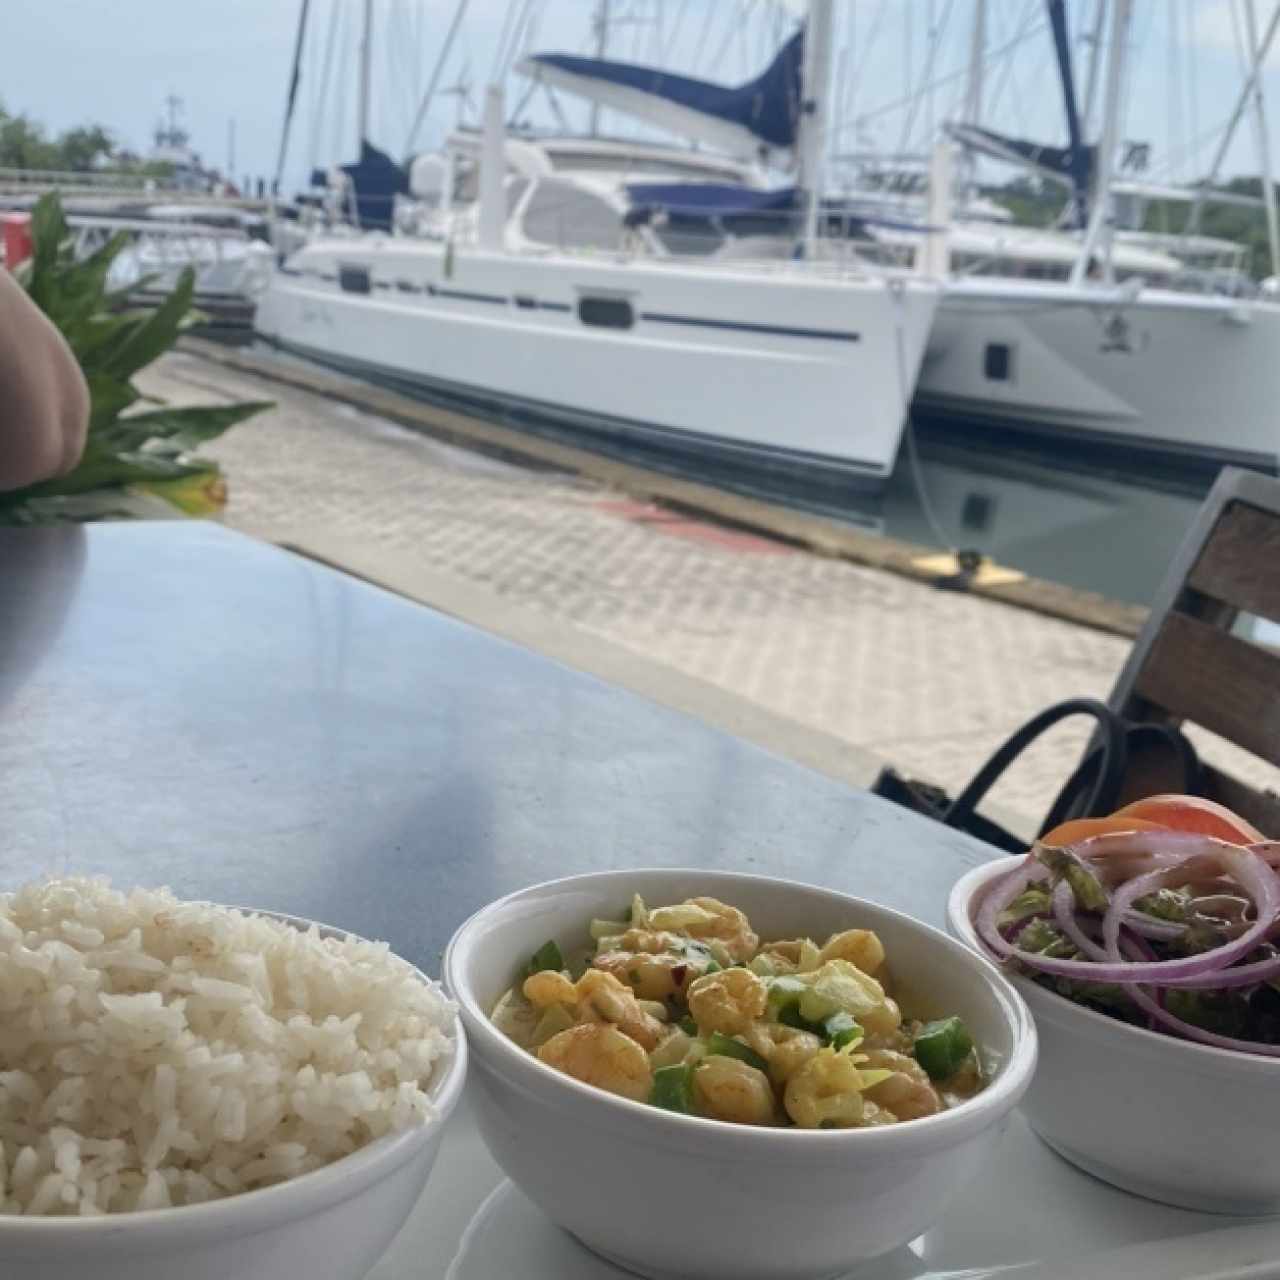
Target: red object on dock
(15, 238)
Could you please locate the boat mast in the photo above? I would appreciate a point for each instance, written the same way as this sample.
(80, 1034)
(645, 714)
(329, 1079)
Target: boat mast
(366, 64)
(291, 99)
(815, 110)
(1100, 214)
(976, 81)
(1264, 140)
(1259, 55)
(1094, 39)
(602, 47)
(1079, 163)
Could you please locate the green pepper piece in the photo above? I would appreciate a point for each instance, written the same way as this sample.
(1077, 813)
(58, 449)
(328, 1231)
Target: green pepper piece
(713, 966)
(790, 1016)
(673, 1088)
(547, 956)
(688, 1026)
(841, 1029)
(727, 1047)
(785, 993)
(942, 1046)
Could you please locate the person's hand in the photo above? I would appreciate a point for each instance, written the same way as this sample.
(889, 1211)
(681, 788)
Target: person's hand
(44, 400)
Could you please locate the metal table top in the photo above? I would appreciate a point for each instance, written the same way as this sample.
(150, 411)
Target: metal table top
(182, 705)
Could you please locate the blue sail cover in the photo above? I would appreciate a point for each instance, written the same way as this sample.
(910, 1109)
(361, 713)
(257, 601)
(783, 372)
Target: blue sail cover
(1068, 165)
(377, 180)
(767, 108)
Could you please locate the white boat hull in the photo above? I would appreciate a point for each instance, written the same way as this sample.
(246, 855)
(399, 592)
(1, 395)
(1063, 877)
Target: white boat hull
(1164, 372)
(811, 367)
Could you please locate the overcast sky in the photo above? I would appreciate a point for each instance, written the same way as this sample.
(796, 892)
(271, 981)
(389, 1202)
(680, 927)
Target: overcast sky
(66, 62)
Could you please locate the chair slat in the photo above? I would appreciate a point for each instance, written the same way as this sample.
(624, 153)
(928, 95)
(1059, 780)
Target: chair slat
(1262, 808)
(1217, 680)
(1240, 563)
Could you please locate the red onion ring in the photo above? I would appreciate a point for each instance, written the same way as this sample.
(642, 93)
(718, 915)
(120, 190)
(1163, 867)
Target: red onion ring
(1249, 871)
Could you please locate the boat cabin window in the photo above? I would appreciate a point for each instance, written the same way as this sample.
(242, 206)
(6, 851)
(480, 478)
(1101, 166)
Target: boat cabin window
(688, 236)
(566, 217)
(606, 312)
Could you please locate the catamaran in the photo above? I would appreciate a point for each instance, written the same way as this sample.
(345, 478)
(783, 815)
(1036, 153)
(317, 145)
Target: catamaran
(548, 298)
(1094, 335)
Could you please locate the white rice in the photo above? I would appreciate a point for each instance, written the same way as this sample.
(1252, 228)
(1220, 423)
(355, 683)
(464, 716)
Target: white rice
(156, 1052)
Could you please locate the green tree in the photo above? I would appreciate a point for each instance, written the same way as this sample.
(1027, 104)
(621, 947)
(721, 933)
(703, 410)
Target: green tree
(81, 147)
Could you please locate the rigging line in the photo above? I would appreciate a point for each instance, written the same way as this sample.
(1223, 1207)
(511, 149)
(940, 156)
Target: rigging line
(322, 96)
(499, 53)
(927, 87)
(678, 25)
(1193, 79)
(950, 78)
(872, 33)
(1007, 67)
(703, 38)
(734, 23)
(519, 37)
(436, 73)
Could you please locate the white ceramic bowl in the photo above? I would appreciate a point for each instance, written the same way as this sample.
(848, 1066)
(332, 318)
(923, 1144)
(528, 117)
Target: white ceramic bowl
(680, 1196)
(332, 1224)
(1183, 1123)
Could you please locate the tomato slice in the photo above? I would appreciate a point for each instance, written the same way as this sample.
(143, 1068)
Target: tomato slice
(1078, 829)
(1193, 813)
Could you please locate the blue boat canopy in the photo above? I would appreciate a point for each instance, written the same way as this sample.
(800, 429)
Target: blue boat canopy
(760, 115)
(377, 180)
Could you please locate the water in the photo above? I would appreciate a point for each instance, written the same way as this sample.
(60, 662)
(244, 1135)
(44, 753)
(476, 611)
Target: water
(1070, 514)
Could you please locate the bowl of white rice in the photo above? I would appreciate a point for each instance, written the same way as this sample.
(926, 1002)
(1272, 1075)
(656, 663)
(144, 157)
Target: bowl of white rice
(203, 1092)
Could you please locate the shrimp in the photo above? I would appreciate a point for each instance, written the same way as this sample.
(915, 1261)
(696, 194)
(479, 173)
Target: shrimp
(548, 988)
(785, 1049)
(826, 1093)
(908, 1092)
(728, 1001)
(602, 998)
(651, 977)
(712, 921)
(860, 947)
(595, 997)
(727, 1089)
(600, 1055)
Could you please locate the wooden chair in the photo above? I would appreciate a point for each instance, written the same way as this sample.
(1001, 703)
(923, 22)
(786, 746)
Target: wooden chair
(1191, 662)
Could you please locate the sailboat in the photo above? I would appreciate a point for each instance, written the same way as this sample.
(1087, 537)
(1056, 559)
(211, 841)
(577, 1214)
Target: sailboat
(1101, 360)
(795, 361)
(1093, 335)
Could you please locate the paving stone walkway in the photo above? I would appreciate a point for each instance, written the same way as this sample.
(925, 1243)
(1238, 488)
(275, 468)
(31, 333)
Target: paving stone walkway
(929, 680)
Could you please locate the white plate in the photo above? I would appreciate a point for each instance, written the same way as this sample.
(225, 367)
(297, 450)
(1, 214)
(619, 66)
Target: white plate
(1031, 1217)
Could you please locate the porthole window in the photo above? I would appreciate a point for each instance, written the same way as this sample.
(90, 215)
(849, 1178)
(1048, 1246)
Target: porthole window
(997, 363)
(353, 279)
(606, 313)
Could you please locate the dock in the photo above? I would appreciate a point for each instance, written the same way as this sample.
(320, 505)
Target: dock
(817, 641)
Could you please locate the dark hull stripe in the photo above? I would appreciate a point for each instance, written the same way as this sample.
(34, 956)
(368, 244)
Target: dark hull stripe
(974, 412)
(785, 331)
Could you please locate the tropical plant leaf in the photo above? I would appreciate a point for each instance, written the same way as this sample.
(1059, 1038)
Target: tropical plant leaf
(49, 232)
(178, 430)
(111, 469)
(150, 450)
(157, 332)
(108, 399)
